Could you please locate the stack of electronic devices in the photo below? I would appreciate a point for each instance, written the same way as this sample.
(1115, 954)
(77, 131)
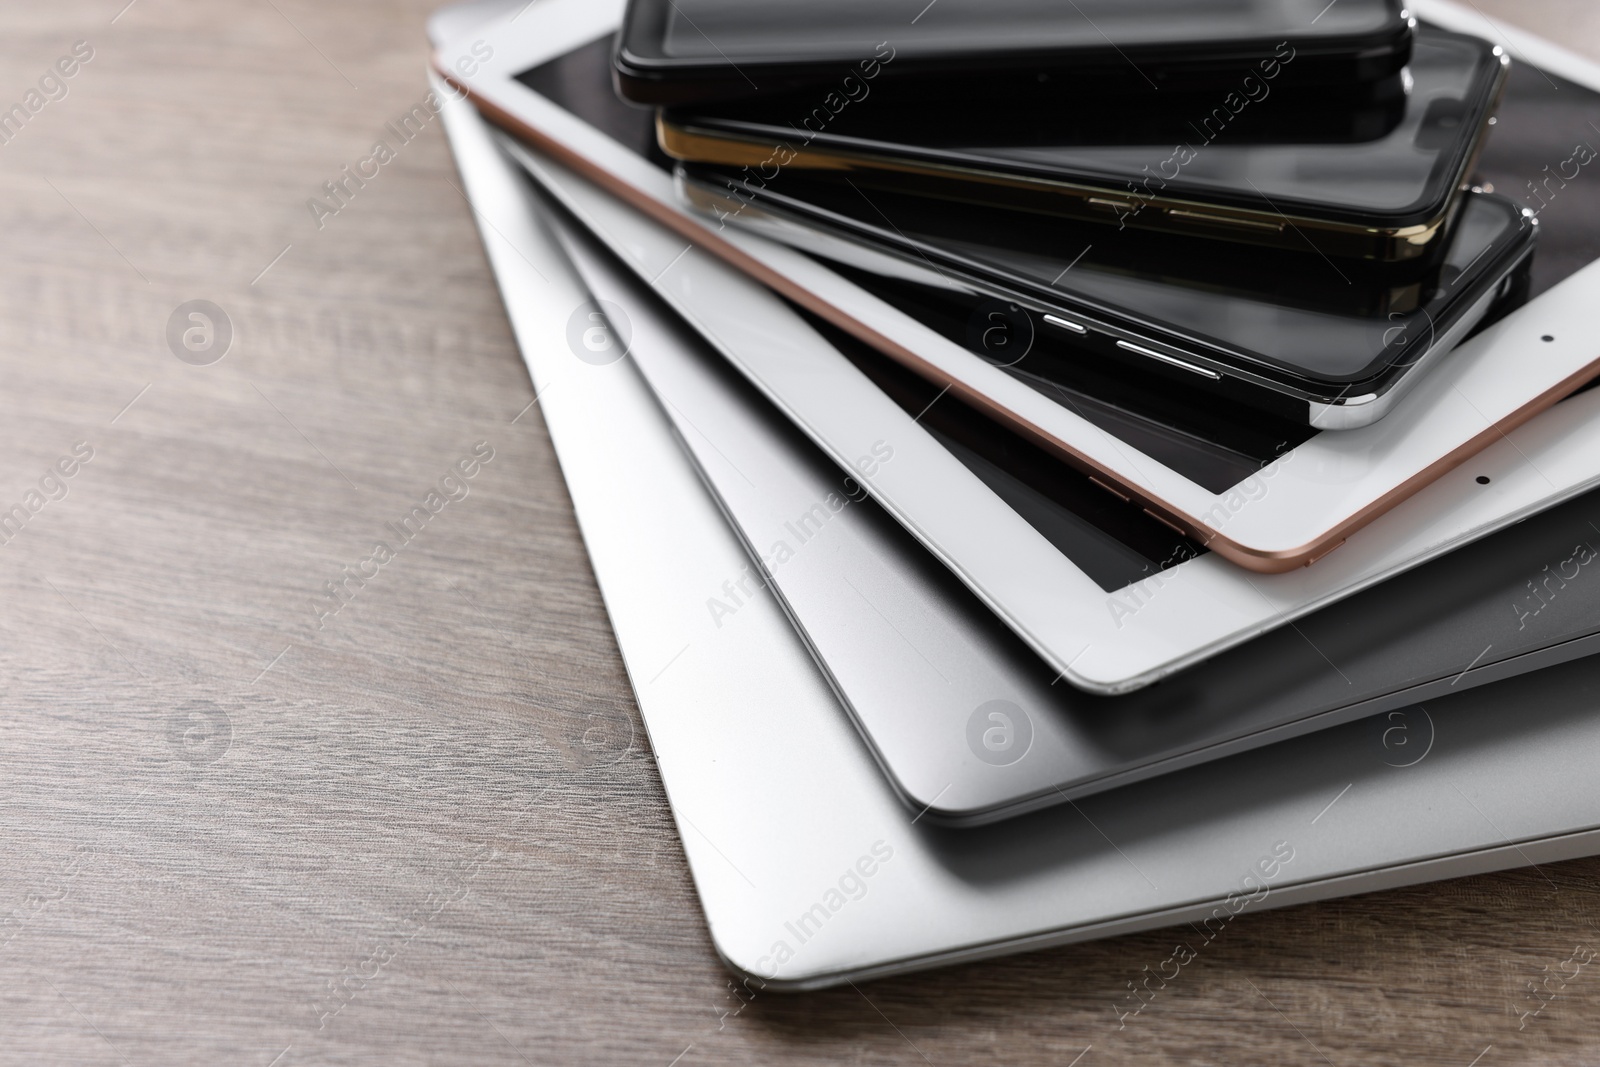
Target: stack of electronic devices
(1056, 470)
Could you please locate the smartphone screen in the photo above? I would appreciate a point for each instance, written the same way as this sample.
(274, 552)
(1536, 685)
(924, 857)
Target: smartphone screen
(1400, 172)
(682, 50)
(1396, 161)
(1277, 309)
(848, 29)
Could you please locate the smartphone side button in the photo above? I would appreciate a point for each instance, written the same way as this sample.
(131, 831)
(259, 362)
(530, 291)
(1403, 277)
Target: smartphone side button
(1066, 324)
(1119, 494)
(1205, 372)
(1206, 218)
(1325, 552)
(1119, 207)
(1168, 523)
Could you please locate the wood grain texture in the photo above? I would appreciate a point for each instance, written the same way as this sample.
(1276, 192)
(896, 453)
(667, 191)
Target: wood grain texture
(213, 810)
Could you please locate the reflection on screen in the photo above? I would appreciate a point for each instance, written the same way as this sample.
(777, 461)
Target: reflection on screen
(728, 29)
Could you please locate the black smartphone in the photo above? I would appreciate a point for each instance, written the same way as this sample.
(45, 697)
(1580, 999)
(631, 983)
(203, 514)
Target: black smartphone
(680, 51)
(1260, 166)
(1301, 338)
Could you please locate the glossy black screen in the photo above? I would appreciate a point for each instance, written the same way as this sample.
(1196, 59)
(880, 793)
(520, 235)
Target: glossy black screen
(731, 29)
(1319, 322)
(1257, 141)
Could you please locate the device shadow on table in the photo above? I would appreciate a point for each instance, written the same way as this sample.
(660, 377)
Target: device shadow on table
(1067, 997)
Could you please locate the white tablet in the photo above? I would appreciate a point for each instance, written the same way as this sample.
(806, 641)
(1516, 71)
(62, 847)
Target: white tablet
(1294, 510)
(1105, 628)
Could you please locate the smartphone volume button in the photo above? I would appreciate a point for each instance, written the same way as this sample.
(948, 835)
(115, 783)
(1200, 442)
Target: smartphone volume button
(1100, 203)
(1168, 523)
(1066, 324)
(1173, 361)
(1207, 218)
(1119, 494)
(1324, 553)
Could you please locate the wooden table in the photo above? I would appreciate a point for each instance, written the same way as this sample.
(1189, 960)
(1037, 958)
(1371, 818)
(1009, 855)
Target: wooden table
(239, 827)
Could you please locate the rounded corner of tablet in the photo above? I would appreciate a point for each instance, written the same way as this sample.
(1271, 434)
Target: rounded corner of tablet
(1259, 560)
(1110, 675)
